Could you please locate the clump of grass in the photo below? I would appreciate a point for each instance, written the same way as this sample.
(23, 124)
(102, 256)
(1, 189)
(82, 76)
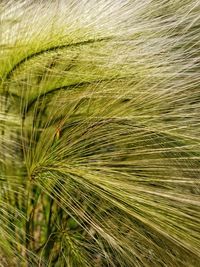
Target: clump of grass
(99, 133)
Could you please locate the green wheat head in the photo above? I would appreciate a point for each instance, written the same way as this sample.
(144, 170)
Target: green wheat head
(100, 133)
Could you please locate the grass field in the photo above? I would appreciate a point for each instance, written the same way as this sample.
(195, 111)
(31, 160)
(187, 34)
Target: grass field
(100, 133)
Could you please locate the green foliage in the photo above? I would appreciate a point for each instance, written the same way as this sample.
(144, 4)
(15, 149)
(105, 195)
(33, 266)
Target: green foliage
(99, 133)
